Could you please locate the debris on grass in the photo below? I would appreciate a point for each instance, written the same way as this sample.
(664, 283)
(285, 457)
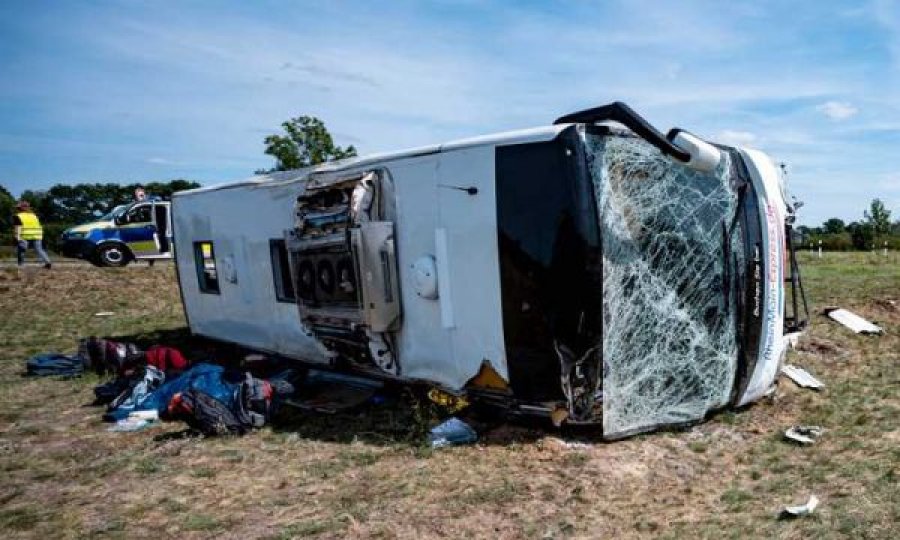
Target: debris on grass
(558, 416)
(792, 339)
(104, 314)
(805, 435)
(132, 423)
(852, 321)
(559, 444)
(453, 432)
(790, 512)
(801, 377)
(823, 348)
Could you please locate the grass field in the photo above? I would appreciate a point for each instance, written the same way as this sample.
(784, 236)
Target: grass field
(366, 474)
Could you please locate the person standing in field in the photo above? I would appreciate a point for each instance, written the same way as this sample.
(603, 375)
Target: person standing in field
(29, 233)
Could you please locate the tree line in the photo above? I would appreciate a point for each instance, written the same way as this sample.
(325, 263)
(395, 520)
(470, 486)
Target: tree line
(874, 231)
(65, 205)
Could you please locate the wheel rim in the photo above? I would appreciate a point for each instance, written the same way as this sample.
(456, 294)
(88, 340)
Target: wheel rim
(113, 255)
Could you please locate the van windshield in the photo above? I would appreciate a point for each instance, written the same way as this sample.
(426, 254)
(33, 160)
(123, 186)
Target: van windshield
(114, 213)
(671, 250)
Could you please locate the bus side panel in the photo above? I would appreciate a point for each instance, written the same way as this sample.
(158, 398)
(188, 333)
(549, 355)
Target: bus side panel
(240, 223)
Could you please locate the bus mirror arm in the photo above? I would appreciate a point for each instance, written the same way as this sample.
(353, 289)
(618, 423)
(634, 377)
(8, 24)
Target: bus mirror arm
(678, 143)
(625, 115)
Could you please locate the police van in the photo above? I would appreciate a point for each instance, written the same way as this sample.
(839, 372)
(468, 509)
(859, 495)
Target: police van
(137, 231)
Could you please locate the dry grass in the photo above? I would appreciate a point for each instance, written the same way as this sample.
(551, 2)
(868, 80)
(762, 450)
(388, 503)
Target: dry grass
(366, 475)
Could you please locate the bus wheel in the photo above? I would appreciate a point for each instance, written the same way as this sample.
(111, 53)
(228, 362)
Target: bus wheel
(112, 255)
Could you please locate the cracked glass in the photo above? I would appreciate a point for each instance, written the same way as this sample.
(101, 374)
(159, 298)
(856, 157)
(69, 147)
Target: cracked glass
(670, 249)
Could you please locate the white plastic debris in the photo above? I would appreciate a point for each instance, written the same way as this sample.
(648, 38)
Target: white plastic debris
(853, 321)
(805, 435)
(130, 424)
(792, 338)
(151, 415)
(801, 377)
(801, 510)
(104, 314)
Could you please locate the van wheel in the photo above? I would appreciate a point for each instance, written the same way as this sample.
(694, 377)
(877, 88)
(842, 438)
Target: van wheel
(112, 255)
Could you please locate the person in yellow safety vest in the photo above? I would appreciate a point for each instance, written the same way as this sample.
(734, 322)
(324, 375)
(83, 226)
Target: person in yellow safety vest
(29, 233)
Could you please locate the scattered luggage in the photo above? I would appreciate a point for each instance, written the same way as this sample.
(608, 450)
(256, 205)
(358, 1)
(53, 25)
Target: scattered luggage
(254, 403)
(205, 414)
(166, 359)
(208, 378)
(50, 364)
(161, 384)
(108, 356)
(135, 394)
(105, 393)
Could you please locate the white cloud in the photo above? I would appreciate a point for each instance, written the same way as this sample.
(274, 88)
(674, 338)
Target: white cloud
(837, 110)
(736, 138)
(160, 161)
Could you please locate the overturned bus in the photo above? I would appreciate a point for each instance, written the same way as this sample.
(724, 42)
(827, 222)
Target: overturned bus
(593, 270)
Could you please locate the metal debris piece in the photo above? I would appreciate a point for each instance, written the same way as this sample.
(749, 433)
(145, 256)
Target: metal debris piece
(447, 400)
(801, 377)
(852, 321)
(801, 510)
(104, 314)
(805, 435)
(558, 416)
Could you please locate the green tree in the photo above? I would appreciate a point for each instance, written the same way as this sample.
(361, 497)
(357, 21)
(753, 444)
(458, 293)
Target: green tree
(7, 208)
(863, 235)
(38, 200)
(879, 217)
(306, 142)
(79, 203)
(833, 226)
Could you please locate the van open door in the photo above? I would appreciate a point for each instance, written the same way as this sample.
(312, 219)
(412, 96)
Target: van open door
(162, 220)
(137, 230)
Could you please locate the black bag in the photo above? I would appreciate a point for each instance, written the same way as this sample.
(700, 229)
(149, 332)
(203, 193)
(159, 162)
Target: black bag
(205, 414)
(107, 392)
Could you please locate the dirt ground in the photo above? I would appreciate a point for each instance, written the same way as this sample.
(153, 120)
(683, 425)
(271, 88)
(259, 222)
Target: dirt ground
(367, 474)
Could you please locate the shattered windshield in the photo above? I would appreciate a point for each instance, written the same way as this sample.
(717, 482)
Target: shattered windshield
(669, 243)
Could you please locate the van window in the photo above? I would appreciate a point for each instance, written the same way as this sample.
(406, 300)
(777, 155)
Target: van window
(139, 214)
(205, 259)
(281, 271)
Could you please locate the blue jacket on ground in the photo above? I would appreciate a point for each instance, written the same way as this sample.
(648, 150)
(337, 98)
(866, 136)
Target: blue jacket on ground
(207, 378)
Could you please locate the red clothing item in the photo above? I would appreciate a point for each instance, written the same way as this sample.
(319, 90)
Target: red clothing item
(166, 359)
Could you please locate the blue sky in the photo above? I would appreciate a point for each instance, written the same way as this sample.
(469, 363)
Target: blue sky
(139, 91)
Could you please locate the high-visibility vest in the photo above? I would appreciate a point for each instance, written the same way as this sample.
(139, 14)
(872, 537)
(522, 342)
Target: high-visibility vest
(31, 226)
